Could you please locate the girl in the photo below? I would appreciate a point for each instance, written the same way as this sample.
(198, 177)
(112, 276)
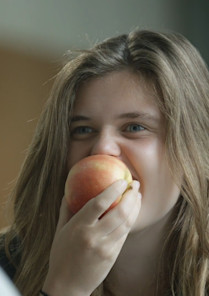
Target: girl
(143, 98)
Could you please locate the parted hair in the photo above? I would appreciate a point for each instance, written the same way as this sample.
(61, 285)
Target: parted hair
(180, 78)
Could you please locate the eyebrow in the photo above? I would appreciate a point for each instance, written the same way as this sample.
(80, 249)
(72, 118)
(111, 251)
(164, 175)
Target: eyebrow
(131, 115)
(136, 115)
(79, 118)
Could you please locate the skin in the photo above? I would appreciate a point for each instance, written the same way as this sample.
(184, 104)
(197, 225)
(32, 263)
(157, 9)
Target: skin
(137, 141)
(115, 115)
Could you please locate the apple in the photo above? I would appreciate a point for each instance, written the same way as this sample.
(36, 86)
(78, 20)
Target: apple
(90, 176)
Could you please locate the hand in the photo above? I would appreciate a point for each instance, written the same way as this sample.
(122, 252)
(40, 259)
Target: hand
(86, 247)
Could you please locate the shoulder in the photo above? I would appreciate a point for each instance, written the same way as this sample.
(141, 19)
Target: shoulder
(8, 255)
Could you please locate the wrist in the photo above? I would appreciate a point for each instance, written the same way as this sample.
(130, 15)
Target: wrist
(61, 290)
(42, 293)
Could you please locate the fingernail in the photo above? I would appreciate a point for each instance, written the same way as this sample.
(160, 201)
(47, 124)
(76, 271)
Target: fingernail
(136, 184)
(124, 184)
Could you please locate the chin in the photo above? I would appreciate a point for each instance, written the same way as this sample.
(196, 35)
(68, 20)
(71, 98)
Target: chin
(154, 223)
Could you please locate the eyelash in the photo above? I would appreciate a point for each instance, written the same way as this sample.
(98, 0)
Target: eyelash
(136, 125)
(80, 128)
(79, 132)
(82, 132)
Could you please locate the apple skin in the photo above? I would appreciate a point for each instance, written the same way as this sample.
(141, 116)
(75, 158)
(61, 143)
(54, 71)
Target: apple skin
(90, 176)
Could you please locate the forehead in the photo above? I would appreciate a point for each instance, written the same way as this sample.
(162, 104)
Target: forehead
(116, 91)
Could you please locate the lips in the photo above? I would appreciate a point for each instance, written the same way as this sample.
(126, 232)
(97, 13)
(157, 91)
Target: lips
(134, 176)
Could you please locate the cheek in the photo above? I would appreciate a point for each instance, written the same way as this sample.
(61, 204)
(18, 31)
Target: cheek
(153, 171)
(159, 192)
(147, 158)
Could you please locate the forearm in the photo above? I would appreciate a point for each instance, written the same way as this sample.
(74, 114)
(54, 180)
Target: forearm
(69, 293)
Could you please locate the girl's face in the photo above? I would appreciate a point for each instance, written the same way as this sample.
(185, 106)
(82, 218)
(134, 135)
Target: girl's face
(118, 115)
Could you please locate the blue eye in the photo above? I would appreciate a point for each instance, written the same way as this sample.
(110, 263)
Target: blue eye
(134, 128)
(82, 130)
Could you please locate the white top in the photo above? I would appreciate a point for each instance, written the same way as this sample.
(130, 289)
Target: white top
(7, 288)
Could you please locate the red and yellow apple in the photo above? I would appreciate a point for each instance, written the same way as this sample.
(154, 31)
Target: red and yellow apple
(90, 176)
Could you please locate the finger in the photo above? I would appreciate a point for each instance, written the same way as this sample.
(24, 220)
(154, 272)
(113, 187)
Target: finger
(119, 235)
(127, 225)
(64, 215)
(121, 212)
(98, 205)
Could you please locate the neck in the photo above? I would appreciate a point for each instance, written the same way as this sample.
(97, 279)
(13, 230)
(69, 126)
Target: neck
(137, 266)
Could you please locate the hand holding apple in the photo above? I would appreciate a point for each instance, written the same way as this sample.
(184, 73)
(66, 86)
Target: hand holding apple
(90, 176)
(85, 248)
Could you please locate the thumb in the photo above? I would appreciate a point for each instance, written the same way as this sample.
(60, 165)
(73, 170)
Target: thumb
(64, 215)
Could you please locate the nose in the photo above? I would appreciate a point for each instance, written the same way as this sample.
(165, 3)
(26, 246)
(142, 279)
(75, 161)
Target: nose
(106, 143)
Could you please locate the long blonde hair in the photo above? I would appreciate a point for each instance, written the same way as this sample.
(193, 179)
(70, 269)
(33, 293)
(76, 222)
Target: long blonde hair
(181, 81)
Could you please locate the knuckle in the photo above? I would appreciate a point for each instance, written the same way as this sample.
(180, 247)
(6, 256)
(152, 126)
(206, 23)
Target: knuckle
(99, 250)
(99, 205)
(104, 253)
(88, 241)
(122, 211)
(117, 192)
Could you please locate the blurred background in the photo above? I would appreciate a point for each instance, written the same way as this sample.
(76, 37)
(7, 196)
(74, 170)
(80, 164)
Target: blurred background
(35, 34)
